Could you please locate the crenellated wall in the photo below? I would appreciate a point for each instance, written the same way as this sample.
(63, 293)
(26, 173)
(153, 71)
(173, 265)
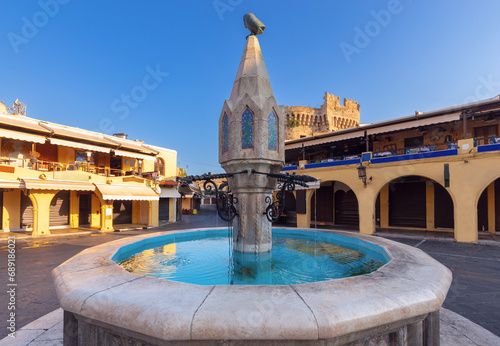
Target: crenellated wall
(331, 116)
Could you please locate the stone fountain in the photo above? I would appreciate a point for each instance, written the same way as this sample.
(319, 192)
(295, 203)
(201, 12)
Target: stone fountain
(398, 304)
(251, 139)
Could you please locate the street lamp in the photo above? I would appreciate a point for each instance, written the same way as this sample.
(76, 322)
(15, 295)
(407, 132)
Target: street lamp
(362, 174)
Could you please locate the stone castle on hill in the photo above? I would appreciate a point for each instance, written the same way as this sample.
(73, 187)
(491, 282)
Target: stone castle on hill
(331, 116)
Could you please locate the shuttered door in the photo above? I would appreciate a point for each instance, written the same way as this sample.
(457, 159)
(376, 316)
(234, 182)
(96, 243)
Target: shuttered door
(482, 211)
(289, 202)
(164, 208)
(346, 208)
(122, 212)
(26, 211)
(59, 209)
(322, 204)
(407, 204)
(443, 208)
(497, 205)
(1, 207)
(85, 209)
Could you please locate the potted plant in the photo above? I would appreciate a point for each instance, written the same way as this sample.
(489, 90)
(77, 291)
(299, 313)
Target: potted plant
(34, 155)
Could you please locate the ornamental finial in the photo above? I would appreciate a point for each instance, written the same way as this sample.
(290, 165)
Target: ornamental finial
(253, 24)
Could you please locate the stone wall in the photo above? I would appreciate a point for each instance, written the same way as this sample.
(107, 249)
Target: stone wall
(331, 116)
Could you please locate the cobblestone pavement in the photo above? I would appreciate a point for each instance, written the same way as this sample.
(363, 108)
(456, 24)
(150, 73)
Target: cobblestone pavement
(474, 294)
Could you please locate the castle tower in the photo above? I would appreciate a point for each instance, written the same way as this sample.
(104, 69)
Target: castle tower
(331, 116)
(251, 139)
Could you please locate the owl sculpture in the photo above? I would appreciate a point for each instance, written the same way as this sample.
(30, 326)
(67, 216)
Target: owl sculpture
(253, 24)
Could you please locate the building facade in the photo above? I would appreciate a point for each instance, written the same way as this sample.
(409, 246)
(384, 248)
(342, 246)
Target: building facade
(53, 176)
(437, 171)
(331, 116)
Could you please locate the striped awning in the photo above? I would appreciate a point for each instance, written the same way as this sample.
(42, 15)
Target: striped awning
(134, 155)
(126, 192)
(9, 184)
(51, 184)
(22, 136)
(415, 123)
(335, 137)
(169, 192)
(78, 145)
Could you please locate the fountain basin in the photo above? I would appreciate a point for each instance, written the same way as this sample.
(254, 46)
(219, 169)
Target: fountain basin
(397, 303)
(297, 257)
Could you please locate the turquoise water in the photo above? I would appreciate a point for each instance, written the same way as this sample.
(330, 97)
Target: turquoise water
(297, 257)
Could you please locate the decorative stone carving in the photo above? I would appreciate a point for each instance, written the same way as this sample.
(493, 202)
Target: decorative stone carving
(254, 141)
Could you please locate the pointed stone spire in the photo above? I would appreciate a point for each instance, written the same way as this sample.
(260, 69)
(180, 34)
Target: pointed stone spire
(252, 77)
(251, 139)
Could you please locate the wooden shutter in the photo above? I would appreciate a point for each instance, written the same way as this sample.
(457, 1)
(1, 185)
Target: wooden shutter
(443, 208)
(59, 209)
(1, 208)
(407, 205)
(322, 204)
(497, 205)
(482, 211)
(85, 209)
(164, 208)
(346, 208)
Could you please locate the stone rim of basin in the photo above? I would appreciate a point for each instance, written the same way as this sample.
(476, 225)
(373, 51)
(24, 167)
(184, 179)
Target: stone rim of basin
(403, 291)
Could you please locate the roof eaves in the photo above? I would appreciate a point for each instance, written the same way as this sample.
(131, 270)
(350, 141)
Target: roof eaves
(417, 116)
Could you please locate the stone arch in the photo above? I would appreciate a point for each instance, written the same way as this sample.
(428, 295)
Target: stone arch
(415, 201)
(488, 207)
(335, 203)
(41, 200)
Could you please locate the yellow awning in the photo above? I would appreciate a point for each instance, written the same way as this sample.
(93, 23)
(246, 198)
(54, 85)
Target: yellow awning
(79, 145)
(134, 155)
(22, 136)
(57, 184)
(126, 192)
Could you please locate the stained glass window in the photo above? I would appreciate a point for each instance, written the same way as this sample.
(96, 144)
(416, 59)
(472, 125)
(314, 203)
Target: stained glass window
(272, 131)
(225, 133)
(247, 129)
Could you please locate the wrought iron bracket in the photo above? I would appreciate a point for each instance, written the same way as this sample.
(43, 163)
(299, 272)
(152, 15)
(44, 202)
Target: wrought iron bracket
(287, 183)
(225, 200)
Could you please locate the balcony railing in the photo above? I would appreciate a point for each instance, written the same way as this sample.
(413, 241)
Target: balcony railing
(404, 154)
(50, 166)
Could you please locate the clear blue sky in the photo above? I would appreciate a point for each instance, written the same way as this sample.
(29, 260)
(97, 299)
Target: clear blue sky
(71, 63)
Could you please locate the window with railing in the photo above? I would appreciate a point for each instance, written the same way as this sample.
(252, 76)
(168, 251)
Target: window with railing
(160, 166)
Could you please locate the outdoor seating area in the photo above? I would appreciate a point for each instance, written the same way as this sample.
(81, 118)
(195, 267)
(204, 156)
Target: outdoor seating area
(51, 166)
(403, 151)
